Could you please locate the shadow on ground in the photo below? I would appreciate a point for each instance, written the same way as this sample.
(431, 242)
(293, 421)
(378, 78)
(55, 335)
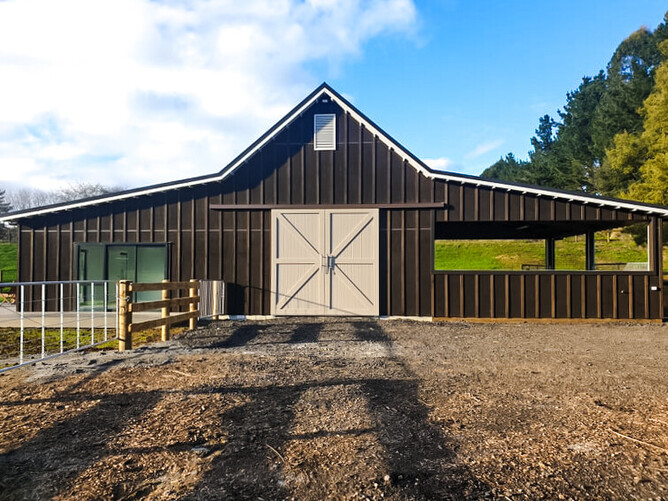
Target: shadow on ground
(408, 457)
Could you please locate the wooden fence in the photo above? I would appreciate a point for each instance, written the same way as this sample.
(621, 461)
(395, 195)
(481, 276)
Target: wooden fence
(126, 307)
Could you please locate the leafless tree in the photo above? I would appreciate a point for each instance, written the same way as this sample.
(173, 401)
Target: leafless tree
(27, 198)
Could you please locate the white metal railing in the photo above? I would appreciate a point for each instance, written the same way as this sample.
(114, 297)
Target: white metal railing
(70, 308)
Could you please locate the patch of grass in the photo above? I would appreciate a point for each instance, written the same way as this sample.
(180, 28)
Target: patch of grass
(512, 254)
(8, 256)
(32, 341)
(8, 261)
(487, 254)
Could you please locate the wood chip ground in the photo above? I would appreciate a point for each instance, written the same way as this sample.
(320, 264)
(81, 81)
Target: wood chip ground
(347, 409)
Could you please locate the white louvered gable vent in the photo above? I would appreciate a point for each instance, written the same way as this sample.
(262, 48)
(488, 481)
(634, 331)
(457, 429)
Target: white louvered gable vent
(324, 131)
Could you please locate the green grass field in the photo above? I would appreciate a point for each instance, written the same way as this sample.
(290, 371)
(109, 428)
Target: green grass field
(512, 254)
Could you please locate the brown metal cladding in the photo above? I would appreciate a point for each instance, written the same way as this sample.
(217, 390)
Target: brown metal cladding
(234, 245)
(505, 294)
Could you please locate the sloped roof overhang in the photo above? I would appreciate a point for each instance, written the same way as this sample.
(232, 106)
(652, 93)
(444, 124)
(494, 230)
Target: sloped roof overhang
(411, 159)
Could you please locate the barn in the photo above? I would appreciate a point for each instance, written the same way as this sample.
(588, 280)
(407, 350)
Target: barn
(326, 214)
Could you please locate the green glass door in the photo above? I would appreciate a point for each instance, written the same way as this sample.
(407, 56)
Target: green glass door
(151, 267)
(137, 262)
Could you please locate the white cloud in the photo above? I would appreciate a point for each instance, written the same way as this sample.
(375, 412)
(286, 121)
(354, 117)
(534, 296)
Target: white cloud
(484, 148)
(136, 91)
(441, 163)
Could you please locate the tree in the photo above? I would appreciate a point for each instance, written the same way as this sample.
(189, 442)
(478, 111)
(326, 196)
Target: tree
(5, 207)
(83, 189)
(507, 169)
(629, 82)
(576, 129)
(621, 167)
(645, 155)
(26, 198)
(550, 163)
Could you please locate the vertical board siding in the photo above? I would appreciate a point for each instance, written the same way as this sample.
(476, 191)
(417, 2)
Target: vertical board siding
(505, 294)
(235, 245)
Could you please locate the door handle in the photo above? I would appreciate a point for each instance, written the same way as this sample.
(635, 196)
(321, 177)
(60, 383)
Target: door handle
(328, 262)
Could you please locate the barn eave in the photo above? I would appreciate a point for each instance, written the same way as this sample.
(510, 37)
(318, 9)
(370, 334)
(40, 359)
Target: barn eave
(404, 154)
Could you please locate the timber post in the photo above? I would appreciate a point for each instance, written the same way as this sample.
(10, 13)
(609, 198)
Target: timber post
(165, 312)
(215, 314)
(124, 316)
(192, 323)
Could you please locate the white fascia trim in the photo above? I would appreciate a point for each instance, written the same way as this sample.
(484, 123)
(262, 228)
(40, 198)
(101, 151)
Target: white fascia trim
(404, 154)
(122, 196)
(407, 157)
(568, 197)
(209, 179)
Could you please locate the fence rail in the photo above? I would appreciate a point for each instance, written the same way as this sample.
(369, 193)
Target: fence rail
(126, 307)
(47, 319)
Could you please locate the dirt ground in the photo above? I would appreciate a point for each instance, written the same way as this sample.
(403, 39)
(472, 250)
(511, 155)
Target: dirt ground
(347, 409)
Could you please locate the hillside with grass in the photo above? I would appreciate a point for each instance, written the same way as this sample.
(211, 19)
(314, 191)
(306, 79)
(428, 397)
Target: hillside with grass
(611, 253)
(8, 261)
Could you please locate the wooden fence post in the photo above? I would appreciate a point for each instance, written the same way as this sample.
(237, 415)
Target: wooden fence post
(214, 299)
(165, 312)
(192, 323)
(124, 316)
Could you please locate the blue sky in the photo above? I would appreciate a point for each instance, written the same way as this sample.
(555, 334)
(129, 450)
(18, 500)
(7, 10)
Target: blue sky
(472, 83)
(135, 92)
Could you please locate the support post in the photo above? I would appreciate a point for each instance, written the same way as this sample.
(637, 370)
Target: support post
(549, 254)
(653, 245)
(165, 312)
(590, 251)
(192, 323)
(124, 316)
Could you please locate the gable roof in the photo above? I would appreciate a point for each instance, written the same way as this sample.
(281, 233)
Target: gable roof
(415, 162)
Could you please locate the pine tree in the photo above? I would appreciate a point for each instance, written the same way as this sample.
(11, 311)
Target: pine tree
(649, 148)
(507, 169)
(4, 208)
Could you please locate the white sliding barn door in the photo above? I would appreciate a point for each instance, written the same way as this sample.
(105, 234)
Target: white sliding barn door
(324, 262)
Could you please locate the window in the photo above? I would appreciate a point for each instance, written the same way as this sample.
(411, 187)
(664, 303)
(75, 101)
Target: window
(324, 131)
(136, 262)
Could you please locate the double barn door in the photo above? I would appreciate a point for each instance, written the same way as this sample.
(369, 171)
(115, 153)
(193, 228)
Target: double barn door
(324, 262)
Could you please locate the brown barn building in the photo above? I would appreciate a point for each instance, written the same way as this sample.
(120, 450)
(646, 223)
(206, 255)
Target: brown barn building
(326, 214)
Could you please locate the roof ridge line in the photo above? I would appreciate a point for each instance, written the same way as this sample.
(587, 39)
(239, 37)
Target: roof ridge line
(395, 145)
